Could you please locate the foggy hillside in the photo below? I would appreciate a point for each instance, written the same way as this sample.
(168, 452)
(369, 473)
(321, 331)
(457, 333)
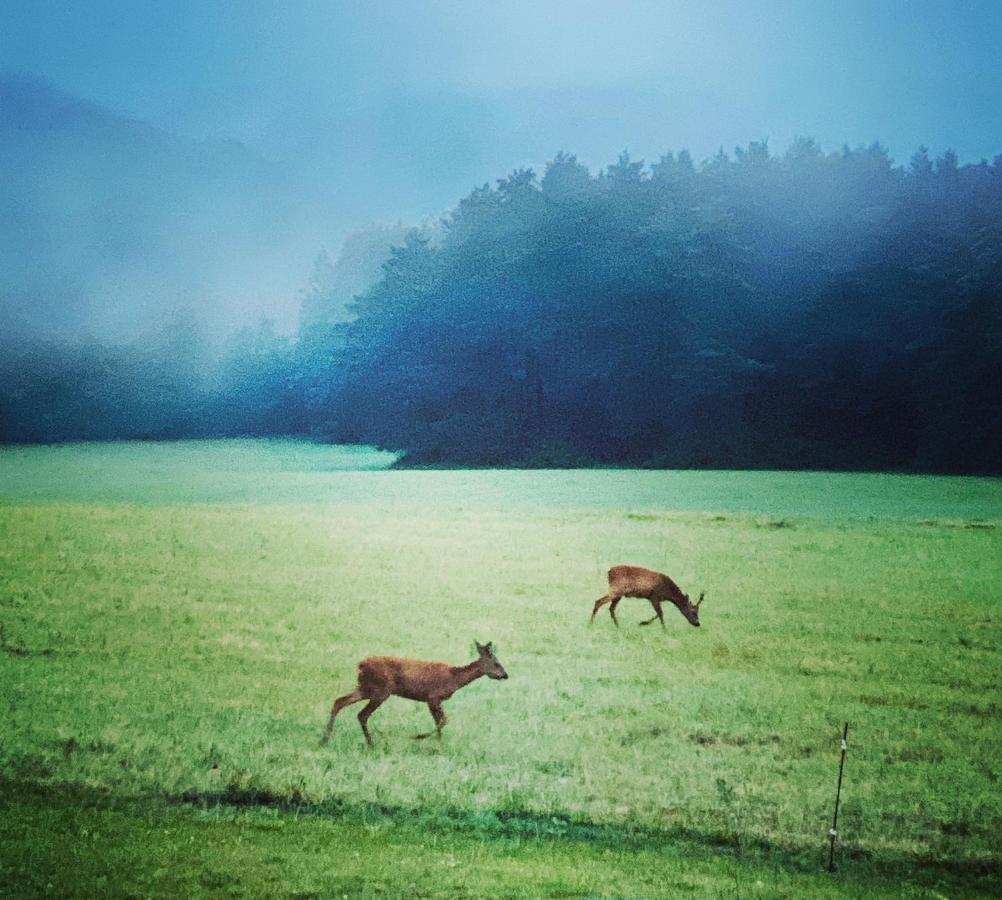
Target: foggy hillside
(329, 297)
(108, 223)
(801, 310)
(795, 262)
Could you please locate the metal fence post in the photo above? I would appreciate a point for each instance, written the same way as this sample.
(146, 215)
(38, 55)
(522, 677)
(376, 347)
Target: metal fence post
(833, 831)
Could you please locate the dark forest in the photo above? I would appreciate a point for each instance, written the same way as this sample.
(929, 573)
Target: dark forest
(803, 310)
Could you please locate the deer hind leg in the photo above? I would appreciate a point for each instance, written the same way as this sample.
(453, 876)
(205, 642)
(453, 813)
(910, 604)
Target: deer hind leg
(367, 710)
(438, 714)
(354, 697)
(657, 614)
(598, 605)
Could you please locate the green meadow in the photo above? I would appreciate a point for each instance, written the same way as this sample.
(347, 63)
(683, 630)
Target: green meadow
(177, 619)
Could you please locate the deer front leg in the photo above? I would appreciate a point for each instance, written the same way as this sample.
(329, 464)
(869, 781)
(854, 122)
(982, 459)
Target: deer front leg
(612, 610)
(438, 714)
(657, 615)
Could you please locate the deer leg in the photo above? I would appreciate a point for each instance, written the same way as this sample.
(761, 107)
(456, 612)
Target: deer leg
(612, 610)
(598, 605)
(367, 710)
(438, 714)
(354, 697)
(657, 614)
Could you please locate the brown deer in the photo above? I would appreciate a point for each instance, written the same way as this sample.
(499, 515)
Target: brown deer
(636, 581)
(427, 682)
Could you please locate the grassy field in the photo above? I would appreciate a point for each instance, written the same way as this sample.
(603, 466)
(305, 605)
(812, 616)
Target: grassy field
(177, 619)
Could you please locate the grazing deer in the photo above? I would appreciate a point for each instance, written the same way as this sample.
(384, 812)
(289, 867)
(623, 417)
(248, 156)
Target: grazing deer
(636, 581)
(415, 679)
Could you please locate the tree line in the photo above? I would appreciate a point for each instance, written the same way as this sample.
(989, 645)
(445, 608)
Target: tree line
(803, 310)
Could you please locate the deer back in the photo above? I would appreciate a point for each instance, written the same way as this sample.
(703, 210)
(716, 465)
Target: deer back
(414, 679)
(636, 581)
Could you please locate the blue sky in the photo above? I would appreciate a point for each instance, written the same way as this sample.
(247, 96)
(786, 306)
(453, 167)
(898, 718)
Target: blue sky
(455, 93)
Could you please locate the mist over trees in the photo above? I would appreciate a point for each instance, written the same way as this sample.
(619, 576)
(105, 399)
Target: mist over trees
(797, 310)
(807, 310)
(107, 224)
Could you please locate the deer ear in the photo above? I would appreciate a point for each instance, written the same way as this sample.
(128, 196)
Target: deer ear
(700, 600)
(479, 647)
(490, 647)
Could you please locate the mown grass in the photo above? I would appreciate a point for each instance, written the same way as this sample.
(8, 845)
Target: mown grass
(73, 843)
(177, 619)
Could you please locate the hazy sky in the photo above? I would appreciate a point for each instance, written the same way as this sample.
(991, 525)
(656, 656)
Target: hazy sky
(393, 109)
(707, 73)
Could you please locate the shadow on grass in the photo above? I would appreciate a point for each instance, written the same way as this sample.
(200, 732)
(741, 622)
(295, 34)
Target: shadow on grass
(887, 869)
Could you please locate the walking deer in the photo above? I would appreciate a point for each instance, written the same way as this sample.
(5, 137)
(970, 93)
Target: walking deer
(379, 677)
(636, 581)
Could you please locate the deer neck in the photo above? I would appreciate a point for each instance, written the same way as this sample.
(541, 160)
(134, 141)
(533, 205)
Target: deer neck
(680, 602)
(465, 674)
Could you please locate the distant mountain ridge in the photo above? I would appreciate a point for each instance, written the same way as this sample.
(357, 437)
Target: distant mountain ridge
(107, 223)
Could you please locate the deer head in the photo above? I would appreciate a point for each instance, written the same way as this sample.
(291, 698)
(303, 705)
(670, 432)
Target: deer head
(691, 610)
(489, 664)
